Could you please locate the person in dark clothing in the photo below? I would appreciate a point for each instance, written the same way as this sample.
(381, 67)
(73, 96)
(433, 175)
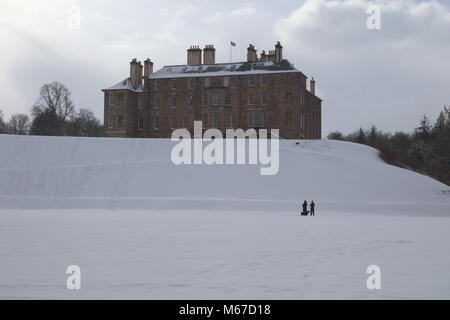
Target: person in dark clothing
(305, 208)
(311, 207)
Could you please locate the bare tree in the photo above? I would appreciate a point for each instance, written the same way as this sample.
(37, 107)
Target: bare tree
(19, 124)
(55, 98)
(84, 124)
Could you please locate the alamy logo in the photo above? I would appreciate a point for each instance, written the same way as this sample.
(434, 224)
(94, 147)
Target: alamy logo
(224, 151)
(374, 20)
(74, 18)
(374, 280)
(73, 281)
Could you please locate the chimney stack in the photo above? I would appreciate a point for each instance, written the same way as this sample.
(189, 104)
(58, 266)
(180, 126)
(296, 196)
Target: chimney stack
(136, 73)
(312, 86)
(194, 55)
(251, 54)
(209, 54)
(263, 56)
(148, 68)
(278, 52)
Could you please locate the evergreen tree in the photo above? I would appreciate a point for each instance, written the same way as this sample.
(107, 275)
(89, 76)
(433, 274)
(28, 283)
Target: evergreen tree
(361, 137)
(372, 136)
(439, 126)
(45, 123)
(424, 130)
(2, 123)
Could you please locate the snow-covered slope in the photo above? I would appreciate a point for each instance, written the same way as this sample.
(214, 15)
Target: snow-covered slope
(248, 242)
(62, 172)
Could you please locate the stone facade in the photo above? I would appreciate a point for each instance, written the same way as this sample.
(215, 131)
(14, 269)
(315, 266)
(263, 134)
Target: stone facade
(266, 93)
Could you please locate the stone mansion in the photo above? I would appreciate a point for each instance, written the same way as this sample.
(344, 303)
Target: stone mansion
(261, 92)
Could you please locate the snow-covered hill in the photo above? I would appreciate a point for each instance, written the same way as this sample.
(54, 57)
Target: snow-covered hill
(222, 232)
(61, 172)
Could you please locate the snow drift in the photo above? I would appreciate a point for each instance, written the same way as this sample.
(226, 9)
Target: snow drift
(63, 172)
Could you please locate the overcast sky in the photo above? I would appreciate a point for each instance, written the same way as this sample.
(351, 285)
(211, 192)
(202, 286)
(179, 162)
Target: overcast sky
(388, 77)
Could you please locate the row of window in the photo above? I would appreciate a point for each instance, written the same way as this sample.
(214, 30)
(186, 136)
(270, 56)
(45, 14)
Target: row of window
(255, 119)
(213, 120)
(313, 130)
(206, 82)
(117, 122)
(118, 100)
(214, 99)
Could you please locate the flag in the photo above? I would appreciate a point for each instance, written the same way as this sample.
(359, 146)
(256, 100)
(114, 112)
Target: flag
(233, 44)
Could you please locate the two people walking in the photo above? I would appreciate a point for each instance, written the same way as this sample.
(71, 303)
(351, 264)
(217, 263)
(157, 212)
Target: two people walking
(305, 211)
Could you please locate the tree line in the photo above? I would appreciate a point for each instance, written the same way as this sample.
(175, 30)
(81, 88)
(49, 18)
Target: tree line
(53, 114)
(425, 150)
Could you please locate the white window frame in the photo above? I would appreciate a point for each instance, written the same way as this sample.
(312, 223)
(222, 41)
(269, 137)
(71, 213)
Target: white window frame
(215, 99)
(229, 99)
(111, 99)
(190, 101)
(157, 84)
(140, 123)
(156, 101)
(257, 119)
(156, 123)
(173, 84)
(172, 122)
(173, 101)
(264, 98)
(251, 99)
(141, 101)
(264, 80)
(226, 81)
(191, 83)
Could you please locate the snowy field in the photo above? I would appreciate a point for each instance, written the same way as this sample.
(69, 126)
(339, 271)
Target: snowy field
(141, 227)
(221, 255)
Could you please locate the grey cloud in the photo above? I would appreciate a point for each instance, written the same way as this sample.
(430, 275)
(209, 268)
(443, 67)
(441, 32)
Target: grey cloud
(387, 77)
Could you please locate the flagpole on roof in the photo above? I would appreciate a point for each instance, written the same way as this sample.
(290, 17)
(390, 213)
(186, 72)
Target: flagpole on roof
(232, 44)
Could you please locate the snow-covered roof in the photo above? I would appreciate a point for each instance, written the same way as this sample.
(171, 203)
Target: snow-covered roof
(223, 69)
(126, 85)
